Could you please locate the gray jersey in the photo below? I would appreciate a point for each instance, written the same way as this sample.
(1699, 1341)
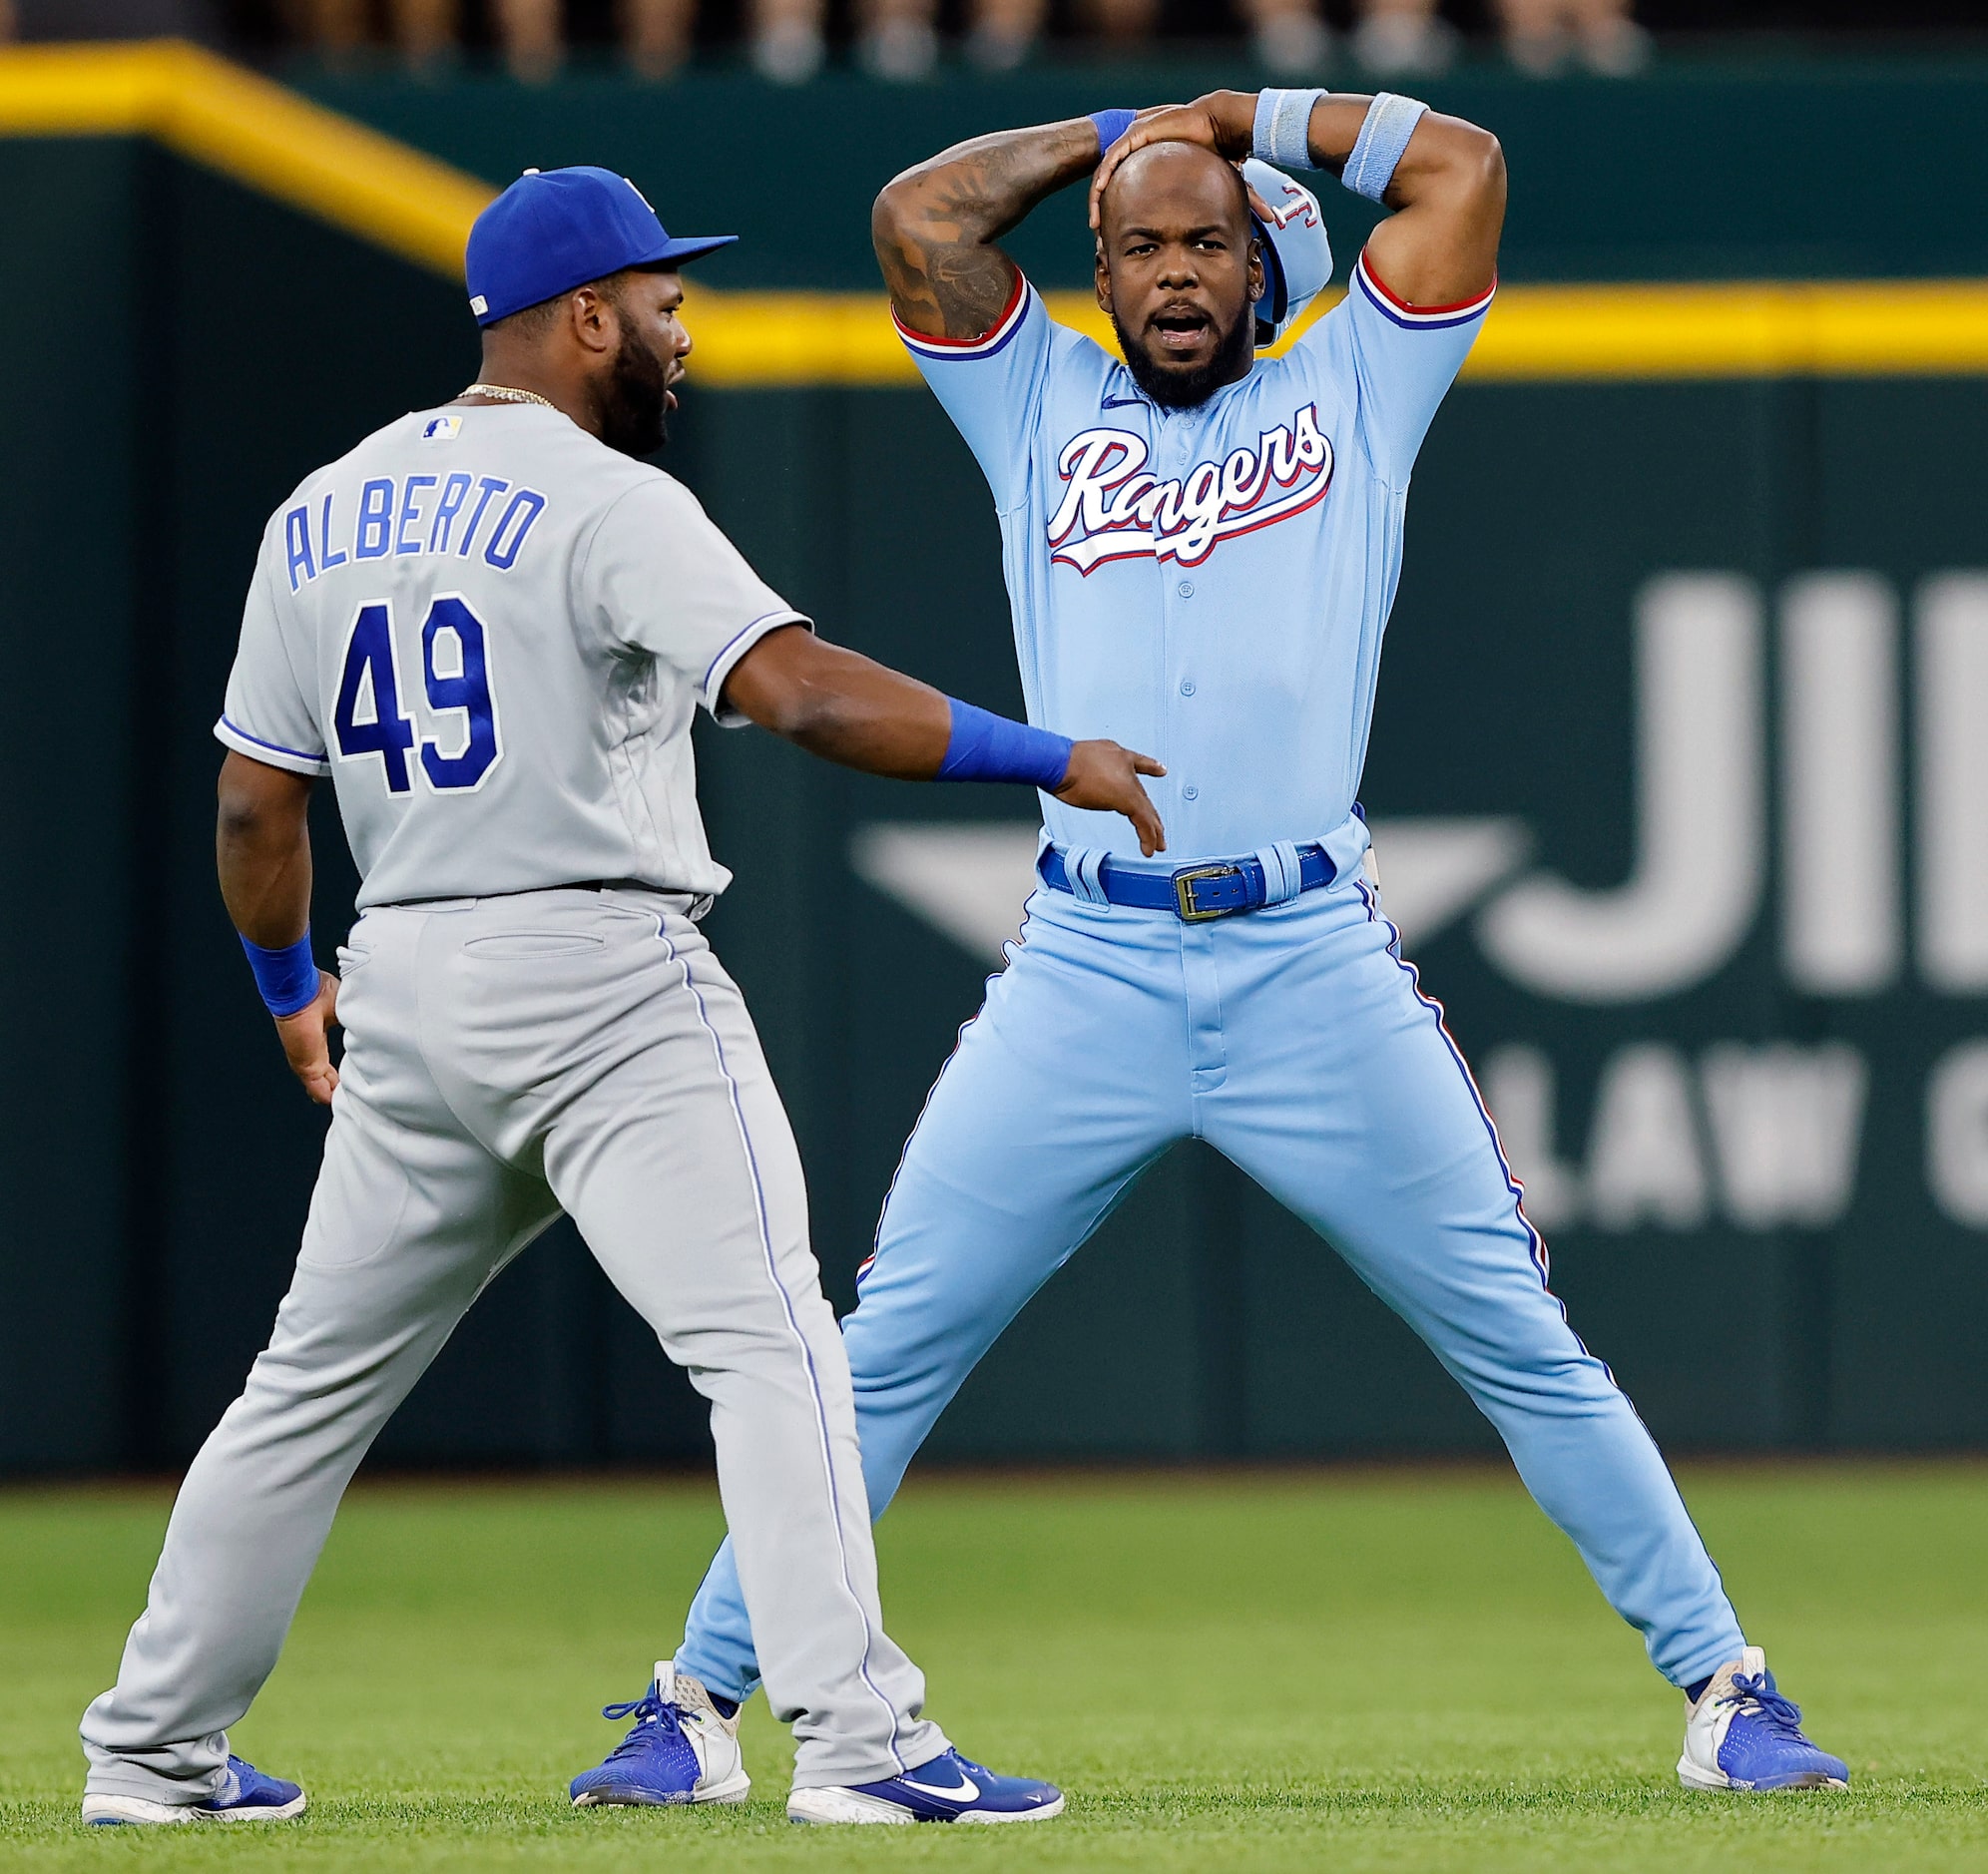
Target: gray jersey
(493, 632)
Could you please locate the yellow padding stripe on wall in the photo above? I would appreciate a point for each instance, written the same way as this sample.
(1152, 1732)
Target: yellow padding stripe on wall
(383, 191)
(1755, 328)
(1534, 335)
(260, 134)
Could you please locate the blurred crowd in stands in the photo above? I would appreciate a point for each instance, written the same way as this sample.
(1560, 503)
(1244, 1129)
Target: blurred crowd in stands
(902, 40)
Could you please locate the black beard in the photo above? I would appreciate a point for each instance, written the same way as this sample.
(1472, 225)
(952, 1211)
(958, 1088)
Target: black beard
(634, 408)
(1175, 389)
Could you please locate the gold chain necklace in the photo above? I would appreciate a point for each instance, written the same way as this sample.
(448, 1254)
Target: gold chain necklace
(502, 393)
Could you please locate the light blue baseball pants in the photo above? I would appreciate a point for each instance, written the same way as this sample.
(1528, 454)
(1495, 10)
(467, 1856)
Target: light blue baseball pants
(1295, 1042)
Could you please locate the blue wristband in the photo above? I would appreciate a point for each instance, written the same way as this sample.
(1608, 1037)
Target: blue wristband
(288, 978)
(1384, 131)
(1281, 132)
(986, 746)
(1112, 125)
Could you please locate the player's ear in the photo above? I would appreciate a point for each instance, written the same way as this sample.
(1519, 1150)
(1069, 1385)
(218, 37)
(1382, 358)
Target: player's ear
(1259, 279)
(591, 317)
(1103, 276)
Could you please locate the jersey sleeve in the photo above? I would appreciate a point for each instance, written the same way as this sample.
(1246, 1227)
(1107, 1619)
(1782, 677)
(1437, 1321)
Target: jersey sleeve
(1399, 359)
(992, 387)
(267, 714)
(661, 577)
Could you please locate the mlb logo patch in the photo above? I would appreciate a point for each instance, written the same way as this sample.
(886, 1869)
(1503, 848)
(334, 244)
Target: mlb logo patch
(442, 429)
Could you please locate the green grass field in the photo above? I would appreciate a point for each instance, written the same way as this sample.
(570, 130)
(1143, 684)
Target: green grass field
(1345, 1670)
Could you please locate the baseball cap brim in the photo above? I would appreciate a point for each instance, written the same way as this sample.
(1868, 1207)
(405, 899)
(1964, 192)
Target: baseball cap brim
(1274, 307)
(685, 247)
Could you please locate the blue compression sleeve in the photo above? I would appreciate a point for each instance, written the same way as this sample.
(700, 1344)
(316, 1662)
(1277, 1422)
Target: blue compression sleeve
(986, 746)
(288, 978)
(1110, 127)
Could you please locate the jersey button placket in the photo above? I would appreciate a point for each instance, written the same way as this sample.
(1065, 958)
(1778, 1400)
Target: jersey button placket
(1180, 453)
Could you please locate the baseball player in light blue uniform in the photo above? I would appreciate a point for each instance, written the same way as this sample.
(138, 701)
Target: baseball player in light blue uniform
(1201, 547)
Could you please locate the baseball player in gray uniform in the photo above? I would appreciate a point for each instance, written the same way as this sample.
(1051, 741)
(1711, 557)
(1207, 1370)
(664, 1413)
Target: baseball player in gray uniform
(491, 623)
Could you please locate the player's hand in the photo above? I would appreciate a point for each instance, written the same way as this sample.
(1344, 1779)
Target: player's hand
(1105, 776)
(307, 1039)
(1224, 120)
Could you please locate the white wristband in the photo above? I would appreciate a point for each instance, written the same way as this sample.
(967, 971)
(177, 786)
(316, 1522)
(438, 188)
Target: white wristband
(1283, 133)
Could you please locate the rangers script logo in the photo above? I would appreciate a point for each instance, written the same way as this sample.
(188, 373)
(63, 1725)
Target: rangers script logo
(1113, 509)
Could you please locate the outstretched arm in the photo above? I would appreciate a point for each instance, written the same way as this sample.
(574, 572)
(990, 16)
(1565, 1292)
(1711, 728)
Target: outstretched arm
(261, 848)
(936, 225)
(846, 708)
(1439, 248)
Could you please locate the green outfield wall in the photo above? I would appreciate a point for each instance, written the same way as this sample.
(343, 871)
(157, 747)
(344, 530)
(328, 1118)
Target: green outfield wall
(1680, 775)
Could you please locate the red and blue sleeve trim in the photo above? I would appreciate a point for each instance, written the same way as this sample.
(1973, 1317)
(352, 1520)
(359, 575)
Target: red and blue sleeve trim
(1417, 317)
(962, 350)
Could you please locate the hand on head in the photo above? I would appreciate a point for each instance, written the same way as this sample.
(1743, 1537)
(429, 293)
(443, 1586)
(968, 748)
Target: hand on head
(1207, 121)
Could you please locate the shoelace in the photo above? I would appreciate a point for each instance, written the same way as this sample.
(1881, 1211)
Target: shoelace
(646, 1711)
(1780, 1716)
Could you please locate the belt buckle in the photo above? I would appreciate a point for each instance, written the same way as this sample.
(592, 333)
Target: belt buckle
(1183, 893)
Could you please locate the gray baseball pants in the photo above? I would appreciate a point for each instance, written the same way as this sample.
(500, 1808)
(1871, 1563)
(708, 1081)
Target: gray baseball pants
(507, 1059)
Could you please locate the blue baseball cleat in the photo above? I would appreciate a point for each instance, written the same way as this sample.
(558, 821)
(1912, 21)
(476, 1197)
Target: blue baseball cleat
(947, 1789)
(1743, 1734)
(247, 1797)
(680, 1750)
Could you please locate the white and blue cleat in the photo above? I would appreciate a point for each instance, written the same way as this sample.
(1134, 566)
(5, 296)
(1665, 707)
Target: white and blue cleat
(682, 1749)
(246, 1795)
(1743, 1734)
(949, 1788)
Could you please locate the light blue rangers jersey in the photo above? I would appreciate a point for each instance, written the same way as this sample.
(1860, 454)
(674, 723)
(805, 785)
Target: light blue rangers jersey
(1210, 585)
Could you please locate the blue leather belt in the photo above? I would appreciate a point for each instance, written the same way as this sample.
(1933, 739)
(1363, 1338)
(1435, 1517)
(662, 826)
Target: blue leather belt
(1196, 894)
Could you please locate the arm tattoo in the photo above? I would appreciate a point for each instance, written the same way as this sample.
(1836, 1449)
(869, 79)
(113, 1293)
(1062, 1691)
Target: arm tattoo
(936, 227)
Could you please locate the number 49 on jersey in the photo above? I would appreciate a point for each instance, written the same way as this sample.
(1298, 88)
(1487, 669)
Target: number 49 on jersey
(455, 671)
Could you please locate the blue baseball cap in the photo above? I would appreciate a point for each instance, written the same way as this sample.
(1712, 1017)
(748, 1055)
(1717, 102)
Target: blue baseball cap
(554, 229)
